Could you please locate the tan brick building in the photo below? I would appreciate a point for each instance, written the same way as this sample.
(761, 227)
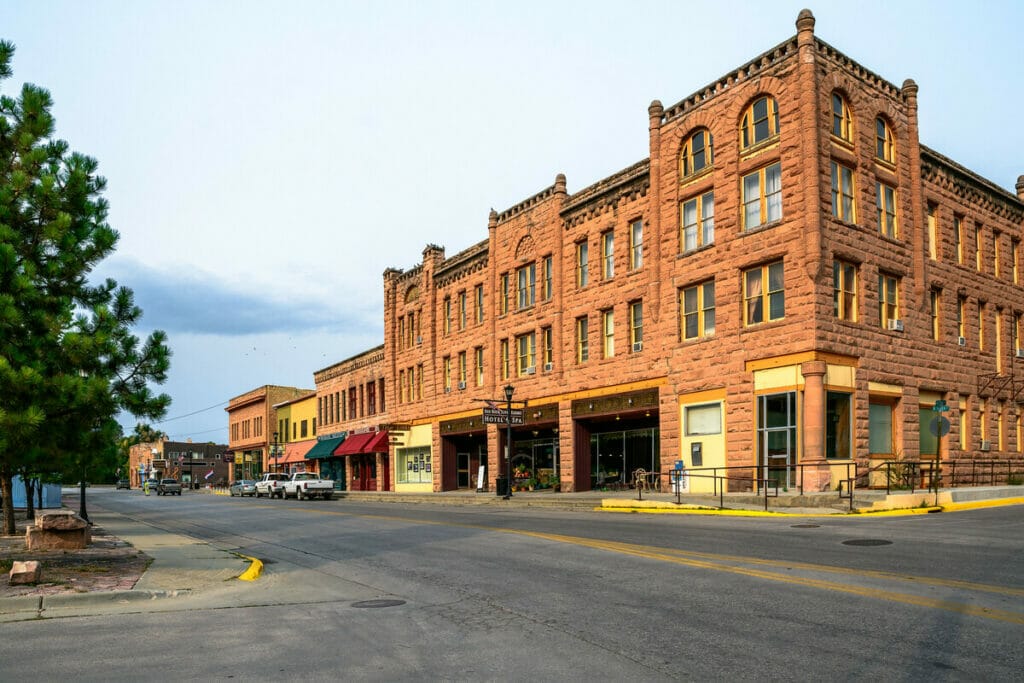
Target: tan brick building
(786, 286)
(252, 421)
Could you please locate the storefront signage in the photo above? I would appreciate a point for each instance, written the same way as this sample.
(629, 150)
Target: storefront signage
(495, 416)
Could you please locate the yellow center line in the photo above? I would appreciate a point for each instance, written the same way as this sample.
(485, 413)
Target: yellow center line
(716, 562)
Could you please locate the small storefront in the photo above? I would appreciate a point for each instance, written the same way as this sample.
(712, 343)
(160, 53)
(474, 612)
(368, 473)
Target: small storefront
(463, 452)
(294, 458)
(414, 466)
(535, 460)
(320, 458)
(366, 454)
(614, 436)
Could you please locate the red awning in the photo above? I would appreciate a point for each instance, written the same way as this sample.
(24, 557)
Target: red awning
(367, 442)
(379, 443)
(355, 443)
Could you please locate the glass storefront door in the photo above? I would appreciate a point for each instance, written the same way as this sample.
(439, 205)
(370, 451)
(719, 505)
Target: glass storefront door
(776, 442)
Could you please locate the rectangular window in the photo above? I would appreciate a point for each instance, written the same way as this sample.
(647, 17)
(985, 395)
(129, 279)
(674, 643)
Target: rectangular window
(697, 305)
(933, 232)
(698, 222)
(935, 306)
(582, 275)
(958, 238)
(886, 201)
(843, 205)
(478, 296)
(526, 353)
(549, 278)
(414, 329)
(608, 333)
(447, 364)
(410, 388)
(380, 396)
(446, 316)
(419, 381)
(703, 420)
(548, 346)
(582, 339)
(478, 360)
(462, 367)
(1015, 260)
(413, 466)
(982, 306)
(462, 310)
(838, 425)
(526, 288)
(762, 197)
(888, 299)
(401, 332)
(995, 254)
(764, 294)
(371, 398)
(844, 290)
(880, 428)
(339, 407)
(607, 255)
(636, 245)
(1017, 320)
(504, 359)
(961, 317)
(503, 294)
(636, 326)
(977, 247)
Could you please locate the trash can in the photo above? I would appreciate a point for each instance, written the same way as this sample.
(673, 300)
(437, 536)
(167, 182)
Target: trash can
(502, 488)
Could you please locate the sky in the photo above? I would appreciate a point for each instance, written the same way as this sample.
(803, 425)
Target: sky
(267, 161)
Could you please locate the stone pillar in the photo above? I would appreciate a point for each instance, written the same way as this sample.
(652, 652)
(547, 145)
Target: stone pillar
(652, 306)
(813, 139)
(814, 478)
(1020, 187)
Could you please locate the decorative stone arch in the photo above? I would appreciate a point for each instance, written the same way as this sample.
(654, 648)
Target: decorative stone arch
(412, 294)
(525, 248)
(762, 86)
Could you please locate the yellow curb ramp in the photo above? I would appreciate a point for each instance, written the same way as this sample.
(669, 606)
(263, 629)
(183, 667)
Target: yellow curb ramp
(254, 570)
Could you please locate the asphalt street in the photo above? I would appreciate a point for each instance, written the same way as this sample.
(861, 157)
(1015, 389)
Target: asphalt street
(412, 592)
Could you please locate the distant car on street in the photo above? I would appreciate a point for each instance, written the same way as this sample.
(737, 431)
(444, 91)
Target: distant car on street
(243, 487)
(124, 484)
(168, 487)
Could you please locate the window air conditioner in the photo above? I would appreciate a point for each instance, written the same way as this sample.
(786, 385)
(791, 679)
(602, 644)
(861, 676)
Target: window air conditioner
(896, 325)
(986, 445)
(1020, 353)
(638, 346)
(548, 367)
(462, 385)
(531, 370)
(447, 389)
(961, 341)
(419, 340)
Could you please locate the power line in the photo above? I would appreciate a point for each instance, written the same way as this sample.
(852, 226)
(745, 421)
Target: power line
(172, 419)
(196, 433)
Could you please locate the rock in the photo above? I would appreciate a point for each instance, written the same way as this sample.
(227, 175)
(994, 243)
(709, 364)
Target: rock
(57, 539)
(24, 573)
(61, 520)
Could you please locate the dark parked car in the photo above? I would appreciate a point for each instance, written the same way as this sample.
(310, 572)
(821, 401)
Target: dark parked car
(168, 487)
(124, 484)
(243, 487)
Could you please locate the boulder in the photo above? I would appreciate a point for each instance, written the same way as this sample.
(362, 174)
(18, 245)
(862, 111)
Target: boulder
(60, 520)
(24, 573)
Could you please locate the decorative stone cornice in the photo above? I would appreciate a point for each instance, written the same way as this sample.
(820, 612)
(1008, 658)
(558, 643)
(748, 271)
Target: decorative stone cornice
(357, 362)
(628, 184)
(971, 187)
(463, 264)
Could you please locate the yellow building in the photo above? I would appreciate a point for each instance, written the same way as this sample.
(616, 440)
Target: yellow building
(294, 435)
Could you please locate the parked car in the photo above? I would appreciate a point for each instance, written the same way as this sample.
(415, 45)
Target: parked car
(271, 485)
(243, 487)
(304, 485)
(168, 487)
(124, 484)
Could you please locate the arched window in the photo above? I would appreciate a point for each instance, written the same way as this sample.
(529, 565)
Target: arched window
(760, 122)
(885, 143)
(697, 153)
(842, 121)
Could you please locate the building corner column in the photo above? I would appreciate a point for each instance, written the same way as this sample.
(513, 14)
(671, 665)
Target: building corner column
(816, 477)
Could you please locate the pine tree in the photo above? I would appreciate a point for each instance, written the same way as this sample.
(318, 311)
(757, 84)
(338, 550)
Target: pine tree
(69, 362)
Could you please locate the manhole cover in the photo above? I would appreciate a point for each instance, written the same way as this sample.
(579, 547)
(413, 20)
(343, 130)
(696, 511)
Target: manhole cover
(867, 541)
(374, 604)
(806, 526)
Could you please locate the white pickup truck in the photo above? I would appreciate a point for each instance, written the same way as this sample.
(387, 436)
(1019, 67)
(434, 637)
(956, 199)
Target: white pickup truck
(271, 485)
(304, 485)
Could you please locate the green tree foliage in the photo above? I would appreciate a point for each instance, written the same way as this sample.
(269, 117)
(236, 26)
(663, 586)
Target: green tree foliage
(69, 362)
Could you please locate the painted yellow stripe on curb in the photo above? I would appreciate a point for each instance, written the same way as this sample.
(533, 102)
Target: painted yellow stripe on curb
(254, 570)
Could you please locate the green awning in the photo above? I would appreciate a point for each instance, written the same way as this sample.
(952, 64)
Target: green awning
(324, 448)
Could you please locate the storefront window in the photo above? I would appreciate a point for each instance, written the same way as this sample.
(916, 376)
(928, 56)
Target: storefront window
(535, 463)
(414, 466)
(838, 426)
(615, 455)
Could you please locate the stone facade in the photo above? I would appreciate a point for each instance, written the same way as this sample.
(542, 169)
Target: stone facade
(252, 420)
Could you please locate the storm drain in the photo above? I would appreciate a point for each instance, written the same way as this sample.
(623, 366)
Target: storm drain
(867, 541)
(376, 604)
(806, 526)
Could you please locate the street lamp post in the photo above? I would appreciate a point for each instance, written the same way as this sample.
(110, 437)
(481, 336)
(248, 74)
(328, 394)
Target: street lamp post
(509, 390)
(275, 452)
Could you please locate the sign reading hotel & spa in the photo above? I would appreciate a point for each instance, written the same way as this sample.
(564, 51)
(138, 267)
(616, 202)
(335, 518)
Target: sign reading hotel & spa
(499, 416)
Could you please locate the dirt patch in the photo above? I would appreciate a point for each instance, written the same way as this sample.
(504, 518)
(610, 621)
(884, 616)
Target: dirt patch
(108, 564)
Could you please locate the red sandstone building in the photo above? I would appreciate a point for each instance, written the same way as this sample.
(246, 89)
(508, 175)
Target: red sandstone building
(787, 285)
(252, 422)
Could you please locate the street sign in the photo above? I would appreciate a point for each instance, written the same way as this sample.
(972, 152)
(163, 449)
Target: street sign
(939, 426)
(499, 416)
(940, 406)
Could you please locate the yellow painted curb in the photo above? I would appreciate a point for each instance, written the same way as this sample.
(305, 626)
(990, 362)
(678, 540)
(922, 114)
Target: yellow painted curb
(978, 504)
(254, 570)
(709, 511)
